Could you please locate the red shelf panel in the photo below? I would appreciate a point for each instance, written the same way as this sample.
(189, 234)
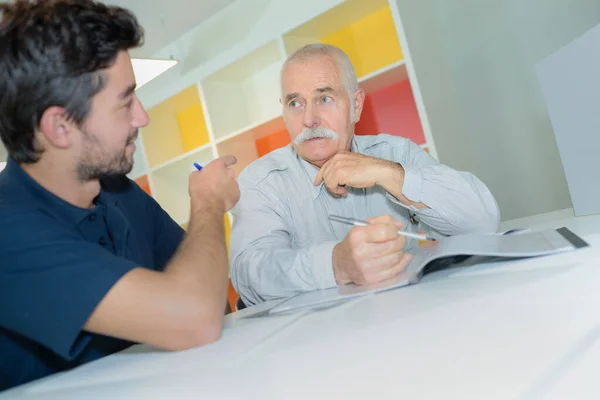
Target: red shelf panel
(391, 110)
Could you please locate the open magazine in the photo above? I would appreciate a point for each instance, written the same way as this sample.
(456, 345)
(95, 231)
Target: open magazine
(447, 252)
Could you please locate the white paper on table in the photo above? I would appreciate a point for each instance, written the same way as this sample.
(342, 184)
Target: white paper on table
(446, 253)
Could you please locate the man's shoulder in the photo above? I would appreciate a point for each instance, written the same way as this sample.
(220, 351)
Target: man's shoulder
(28, 224)
(279, 161)
(15, 203)
(381, 140)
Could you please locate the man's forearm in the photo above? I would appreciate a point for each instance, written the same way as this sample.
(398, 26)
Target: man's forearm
(392, 180)
(277, 271)
(457, 202)
(179, 308)
(201, 263)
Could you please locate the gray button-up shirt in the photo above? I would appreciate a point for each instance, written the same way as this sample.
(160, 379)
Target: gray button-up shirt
(282, 240)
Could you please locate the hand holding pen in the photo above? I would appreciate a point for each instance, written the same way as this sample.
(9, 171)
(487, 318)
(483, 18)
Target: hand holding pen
(216, 185)
(358, 222)
(371, 253)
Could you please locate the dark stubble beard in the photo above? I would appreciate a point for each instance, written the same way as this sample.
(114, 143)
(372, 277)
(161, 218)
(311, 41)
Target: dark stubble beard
(99, 164)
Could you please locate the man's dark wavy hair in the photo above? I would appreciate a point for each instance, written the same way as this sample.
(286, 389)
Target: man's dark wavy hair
(51, 54)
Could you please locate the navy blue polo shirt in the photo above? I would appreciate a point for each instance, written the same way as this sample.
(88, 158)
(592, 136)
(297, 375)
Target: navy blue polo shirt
(57, 262)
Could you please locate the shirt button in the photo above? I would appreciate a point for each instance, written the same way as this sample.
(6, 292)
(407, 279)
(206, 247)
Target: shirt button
(92, 217)
(102, 241)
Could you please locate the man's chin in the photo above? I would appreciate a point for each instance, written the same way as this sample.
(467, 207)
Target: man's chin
(123, 169)
(317, 158)
(317, 145)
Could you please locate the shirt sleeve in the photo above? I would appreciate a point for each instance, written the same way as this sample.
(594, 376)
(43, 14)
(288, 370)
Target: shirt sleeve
(458, 201)
(51, 280)
(264, 266)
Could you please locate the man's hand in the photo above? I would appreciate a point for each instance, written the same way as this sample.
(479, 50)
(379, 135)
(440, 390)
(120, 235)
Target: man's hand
(215, 185)
(370, 254)
(356, 170)
(360, 171)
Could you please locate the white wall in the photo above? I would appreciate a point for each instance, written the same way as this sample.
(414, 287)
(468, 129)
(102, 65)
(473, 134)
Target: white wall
(475, 64)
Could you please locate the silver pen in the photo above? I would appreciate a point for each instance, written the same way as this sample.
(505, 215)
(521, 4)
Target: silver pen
(358, 222)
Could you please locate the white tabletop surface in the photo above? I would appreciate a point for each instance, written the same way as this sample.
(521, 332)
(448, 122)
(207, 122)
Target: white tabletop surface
(521, 330)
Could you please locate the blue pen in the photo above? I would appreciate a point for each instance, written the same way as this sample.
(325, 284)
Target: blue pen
(198, 166)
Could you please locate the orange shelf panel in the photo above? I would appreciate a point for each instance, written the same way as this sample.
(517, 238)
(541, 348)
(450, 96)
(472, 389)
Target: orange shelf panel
(232, 296)
(142, 182)
(274, 141)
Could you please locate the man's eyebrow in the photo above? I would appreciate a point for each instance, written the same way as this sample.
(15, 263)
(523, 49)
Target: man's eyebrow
(325, 89)
(128, 91)
(291, 96)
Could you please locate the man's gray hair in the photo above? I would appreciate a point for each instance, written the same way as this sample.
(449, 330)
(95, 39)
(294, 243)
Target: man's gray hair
(346, 69)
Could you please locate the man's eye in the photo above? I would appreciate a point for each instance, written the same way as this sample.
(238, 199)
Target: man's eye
(326, 99)
(294, 104)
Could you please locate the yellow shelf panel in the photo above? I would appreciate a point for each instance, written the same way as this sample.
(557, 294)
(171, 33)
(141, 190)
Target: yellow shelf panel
(176, 126)
(192, 127)
(365, 30)
(371, 42)
(227, 231)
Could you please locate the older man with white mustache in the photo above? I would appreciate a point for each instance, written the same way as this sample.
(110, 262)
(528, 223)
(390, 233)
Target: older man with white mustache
(282, 240)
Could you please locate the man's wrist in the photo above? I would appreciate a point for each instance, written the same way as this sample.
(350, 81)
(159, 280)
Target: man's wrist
(207, 205)
(338, 273)
(392, 178)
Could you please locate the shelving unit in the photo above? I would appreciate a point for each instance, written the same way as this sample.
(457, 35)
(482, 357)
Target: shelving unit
(233, 107)
(245, 93)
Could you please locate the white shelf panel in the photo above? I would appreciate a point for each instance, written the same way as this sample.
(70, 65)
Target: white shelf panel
(384, 77)
(246, 92)
(200, 151)
(171, 183)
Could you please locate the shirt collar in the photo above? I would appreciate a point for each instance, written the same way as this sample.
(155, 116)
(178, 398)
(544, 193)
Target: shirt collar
(312, 171)
(16, 175)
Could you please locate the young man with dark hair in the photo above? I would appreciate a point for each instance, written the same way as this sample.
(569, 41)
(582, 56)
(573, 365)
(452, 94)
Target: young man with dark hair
(89, 263)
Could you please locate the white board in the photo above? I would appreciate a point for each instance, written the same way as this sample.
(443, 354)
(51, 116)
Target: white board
(570, 80)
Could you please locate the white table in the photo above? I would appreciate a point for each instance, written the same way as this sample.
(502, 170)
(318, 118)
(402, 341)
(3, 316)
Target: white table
(527, 330)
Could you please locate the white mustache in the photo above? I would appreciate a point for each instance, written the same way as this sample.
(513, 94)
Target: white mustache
(314, 133)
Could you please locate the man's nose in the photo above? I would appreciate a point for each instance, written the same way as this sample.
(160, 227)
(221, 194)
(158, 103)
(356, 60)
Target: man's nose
(312, 118)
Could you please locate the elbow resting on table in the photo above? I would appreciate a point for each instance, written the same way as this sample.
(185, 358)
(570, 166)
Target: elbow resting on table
(196, 332)
(488, 224)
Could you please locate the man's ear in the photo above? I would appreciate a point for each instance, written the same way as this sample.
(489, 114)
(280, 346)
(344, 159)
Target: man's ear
(359, 102)
(55, 127)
